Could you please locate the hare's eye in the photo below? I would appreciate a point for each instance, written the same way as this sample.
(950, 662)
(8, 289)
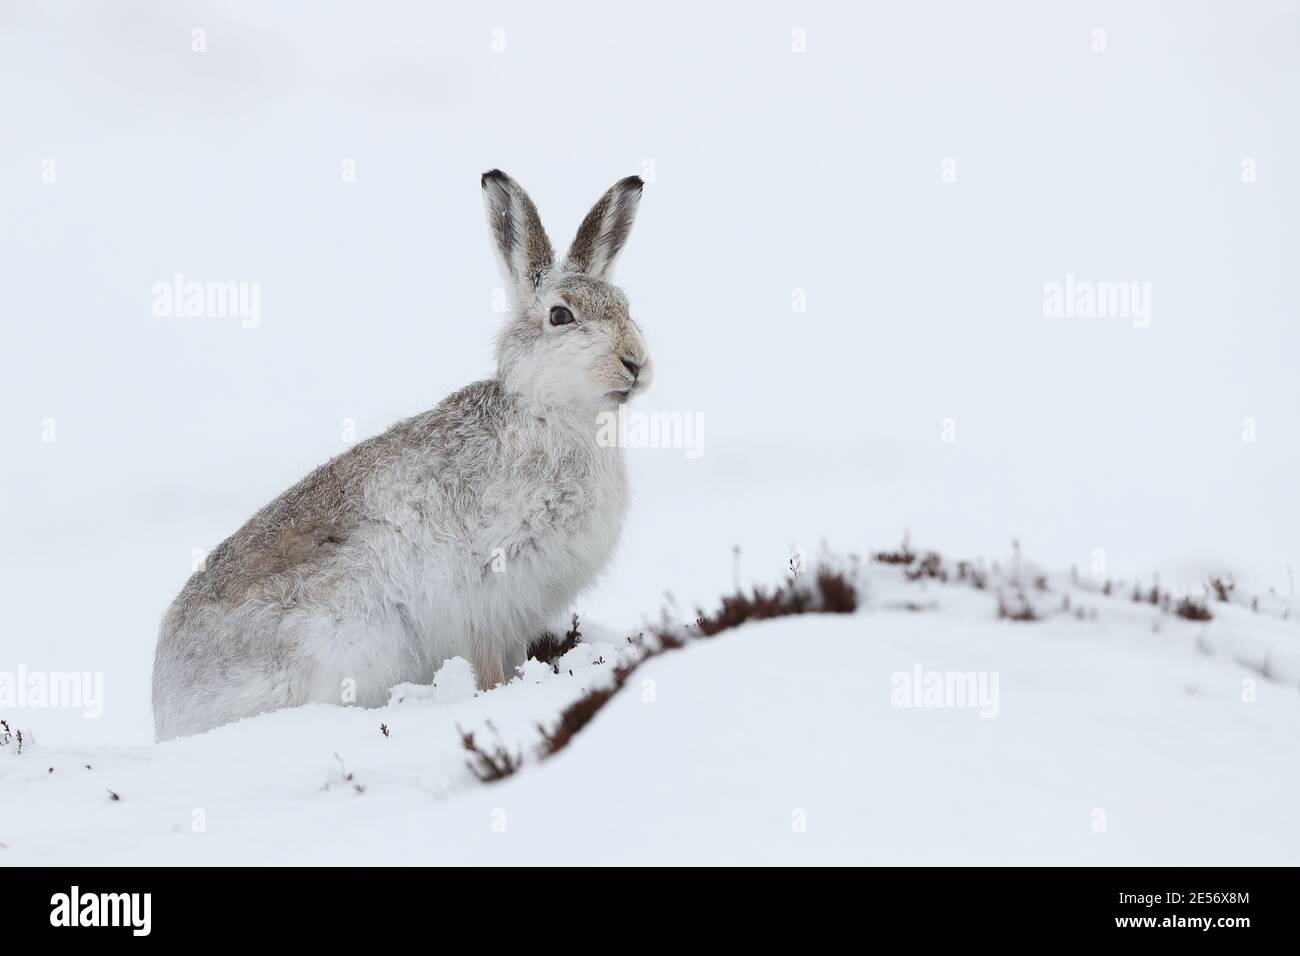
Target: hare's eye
(561, 316)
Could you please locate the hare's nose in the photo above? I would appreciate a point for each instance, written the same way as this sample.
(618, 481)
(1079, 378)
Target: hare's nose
(632, 367)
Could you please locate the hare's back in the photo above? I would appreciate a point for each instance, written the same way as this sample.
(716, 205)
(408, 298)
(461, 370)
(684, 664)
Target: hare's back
(304, 528)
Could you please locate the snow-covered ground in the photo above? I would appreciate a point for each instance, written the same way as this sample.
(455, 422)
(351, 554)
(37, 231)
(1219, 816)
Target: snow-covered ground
(1114, 732)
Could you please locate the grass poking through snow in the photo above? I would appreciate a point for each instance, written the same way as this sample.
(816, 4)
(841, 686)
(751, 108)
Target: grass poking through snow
(10, 738)
(829, 592)
(826, 590)
(548, 648)
(489, 765)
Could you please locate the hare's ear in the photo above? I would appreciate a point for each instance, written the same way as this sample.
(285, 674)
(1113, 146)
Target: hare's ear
(602, 234)
(523, 251)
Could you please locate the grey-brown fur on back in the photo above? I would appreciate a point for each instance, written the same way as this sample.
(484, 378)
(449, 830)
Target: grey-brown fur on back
(298, 531)
(460, 531)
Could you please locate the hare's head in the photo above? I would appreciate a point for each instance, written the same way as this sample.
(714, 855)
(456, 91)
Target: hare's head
(570, 338)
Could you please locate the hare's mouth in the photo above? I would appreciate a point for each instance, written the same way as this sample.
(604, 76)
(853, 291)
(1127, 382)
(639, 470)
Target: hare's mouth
(620, 395)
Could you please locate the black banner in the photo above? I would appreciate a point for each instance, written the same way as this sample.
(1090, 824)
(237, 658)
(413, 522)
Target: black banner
(342, 904)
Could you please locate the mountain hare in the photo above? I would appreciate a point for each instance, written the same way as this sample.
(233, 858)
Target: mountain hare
(461, 531)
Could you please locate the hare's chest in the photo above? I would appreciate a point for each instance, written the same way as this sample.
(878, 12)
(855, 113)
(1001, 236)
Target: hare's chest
(560, 512)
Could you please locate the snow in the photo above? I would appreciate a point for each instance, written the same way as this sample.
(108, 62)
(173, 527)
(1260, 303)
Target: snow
(781, 741)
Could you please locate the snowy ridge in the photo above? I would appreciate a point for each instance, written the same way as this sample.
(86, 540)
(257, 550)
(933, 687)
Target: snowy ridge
(1117, 732)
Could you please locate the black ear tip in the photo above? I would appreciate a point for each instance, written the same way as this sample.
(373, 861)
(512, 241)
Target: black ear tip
(632, 182)
(493, 175)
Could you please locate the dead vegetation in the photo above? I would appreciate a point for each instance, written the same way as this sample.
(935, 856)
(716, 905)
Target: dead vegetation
(904, 555)
(578, 714)
(489, 765)
(1193, 610)
(930, 566)
(1152, 597)
(548, 648)
(967, 572)
(1187, 607)
(830, 592)
(10, 737)
(1018, 610)
(827, 590)
(1223, 588)
(346, 777)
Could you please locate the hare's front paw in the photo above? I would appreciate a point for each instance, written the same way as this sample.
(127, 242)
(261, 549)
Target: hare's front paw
(489, 670)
